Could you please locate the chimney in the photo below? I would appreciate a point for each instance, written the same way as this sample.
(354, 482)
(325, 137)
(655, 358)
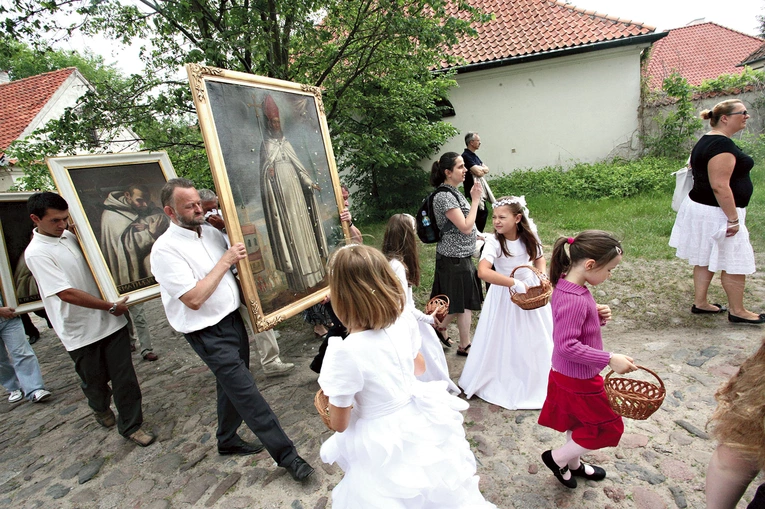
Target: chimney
(4, 77)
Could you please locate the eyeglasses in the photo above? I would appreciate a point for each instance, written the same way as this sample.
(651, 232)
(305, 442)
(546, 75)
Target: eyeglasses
(745, 113)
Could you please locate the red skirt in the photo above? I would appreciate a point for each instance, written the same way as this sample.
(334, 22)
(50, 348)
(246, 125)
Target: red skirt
(582, 407)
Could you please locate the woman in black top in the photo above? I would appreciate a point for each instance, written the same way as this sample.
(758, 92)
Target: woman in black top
(710, 230)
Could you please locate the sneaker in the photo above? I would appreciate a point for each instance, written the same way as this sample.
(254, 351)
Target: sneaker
(142, 438)
(40, 395)
(106, 418)
(278, 368)
(15, 396)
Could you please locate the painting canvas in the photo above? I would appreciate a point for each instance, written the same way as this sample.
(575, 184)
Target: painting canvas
(114, 203)
(268, 146)
(19, 288)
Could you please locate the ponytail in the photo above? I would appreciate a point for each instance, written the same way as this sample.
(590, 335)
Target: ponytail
(590, 244)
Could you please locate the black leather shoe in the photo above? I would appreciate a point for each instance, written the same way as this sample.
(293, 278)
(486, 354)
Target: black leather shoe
(701, 311)
(299, 469)
(557, 471)
(597, 475)
(241, 448)
(738, 319)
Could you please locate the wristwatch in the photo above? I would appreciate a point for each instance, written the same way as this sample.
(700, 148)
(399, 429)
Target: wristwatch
(113, 309)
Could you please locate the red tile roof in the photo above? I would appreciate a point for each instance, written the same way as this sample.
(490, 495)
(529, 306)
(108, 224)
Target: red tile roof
(526, 27)
(699, 52)
(757, 55)
(21, 101)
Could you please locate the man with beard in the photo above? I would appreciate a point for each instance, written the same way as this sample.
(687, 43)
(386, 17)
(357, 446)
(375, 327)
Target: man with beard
(129, 226)
(192, 264)
(290, 208)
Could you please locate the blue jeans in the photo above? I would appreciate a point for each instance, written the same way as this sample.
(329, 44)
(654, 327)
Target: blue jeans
(19, 368)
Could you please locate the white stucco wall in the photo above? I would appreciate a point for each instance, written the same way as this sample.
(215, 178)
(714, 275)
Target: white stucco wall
(560, 111)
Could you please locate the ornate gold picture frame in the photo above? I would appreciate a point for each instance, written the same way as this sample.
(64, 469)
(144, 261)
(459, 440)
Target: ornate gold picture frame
(273, 166)
(114, 204)
(19, 288)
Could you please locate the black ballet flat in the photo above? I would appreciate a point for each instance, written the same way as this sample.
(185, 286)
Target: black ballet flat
(700, 311)
(738, 319)
(598, 474)
(557, 471)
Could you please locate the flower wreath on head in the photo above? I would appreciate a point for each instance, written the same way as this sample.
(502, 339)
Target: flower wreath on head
(520, 200)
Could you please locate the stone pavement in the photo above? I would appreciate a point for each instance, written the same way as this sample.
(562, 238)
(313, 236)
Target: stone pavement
(54, 454)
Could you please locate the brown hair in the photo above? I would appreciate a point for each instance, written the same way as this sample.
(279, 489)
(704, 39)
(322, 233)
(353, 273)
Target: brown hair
(740, 415)
(366, 294)
(400, 242)
(438, 170)
(720, 109)
(595, 244)
(528, 237)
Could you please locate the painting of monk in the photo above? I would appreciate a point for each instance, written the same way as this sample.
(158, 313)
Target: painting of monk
(275, 176)
(114, 204)
(291, 211)
(130, 223)
(15, 234)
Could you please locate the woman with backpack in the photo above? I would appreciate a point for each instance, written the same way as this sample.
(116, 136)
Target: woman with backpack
(456, 276)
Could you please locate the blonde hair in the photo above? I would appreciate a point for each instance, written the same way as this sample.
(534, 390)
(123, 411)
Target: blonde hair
(739, 420)
(720, 109)
(366, 294)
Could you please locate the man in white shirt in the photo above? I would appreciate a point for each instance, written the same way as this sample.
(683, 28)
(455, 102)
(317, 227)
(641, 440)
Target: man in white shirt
(265, 342)
(192, 264)
(97, 341)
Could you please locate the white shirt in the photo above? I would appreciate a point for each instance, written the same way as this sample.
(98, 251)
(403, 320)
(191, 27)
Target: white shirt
(58, 264)
(179, 260)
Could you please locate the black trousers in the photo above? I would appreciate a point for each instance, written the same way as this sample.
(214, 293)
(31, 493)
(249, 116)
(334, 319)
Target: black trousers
(109, 360)
(481, 217)
(225, 349)
(337, 329)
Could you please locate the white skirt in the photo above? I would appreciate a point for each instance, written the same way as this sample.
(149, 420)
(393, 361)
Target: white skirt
(699, 237)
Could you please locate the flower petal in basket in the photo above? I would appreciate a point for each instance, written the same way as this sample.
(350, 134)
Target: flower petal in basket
(632, 398)
(538, 292)
(439, 304)
(321, 402)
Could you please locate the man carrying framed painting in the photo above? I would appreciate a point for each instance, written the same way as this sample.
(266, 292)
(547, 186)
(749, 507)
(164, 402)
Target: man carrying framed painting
(97, 341)
(192, 263)
(290, 208)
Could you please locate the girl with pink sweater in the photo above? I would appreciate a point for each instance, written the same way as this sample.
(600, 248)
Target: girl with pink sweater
(576, 402)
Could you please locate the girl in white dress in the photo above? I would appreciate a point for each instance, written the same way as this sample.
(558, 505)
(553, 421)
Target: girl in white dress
(512, 347)
(400, 248)
(399, 441)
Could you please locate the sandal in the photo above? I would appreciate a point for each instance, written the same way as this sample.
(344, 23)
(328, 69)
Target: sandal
(447, 342)
(463, 351)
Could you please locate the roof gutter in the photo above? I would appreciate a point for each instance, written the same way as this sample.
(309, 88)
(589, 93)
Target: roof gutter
(533, 57)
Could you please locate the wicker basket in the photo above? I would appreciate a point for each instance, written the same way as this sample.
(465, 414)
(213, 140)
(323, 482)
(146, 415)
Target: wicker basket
(321, 402)
(439, 304)
(634, 399)
(535, 296)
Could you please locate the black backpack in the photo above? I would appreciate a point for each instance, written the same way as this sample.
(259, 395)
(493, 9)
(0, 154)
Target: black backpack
(427, 229)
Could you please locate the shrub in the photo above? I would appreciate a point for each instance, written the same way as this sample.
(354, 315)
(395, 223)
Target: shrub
(614, 179)
(676, 128)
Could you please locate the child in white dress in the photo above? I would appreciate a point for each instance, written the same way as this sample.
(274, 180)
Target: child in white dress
(510, 360)
(400, 248)
(399, 441)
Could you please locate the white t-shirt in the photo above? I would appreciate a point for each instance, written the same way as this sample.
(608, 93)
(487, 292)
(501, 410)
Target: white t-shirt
(180, 258)
(58, 264)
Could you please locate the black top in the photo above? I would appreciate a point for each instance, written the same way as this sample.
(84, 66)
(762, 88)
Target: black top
(470, 160)
(706, 148)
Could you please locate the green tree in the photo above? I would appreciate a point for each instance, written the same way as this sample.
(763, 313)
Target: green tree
(371, 57)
